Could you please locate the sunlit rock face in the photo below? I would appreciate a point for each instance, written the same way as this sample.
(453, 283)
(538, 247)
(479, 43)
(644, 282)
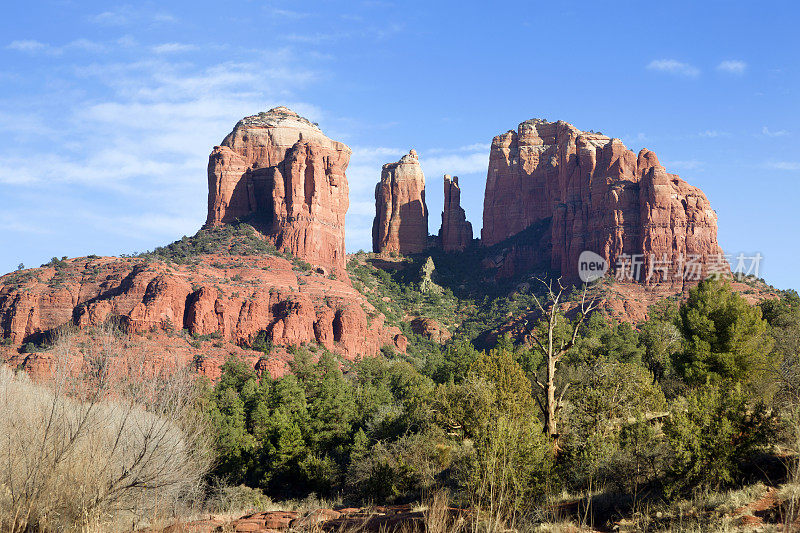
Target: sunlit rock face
(401, 216)
(279, 170)
(595, 194)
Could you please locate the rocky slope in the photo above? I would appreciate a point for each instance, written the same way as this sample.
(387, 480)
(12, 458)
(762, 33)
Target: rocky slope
(401, 216)
(592, 193)
(232, 294)
(456, 233)
(281, 171)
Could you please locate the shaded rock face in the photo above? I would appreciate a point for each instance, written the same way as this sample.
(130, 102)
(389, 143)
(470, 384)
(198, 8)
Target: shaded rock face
(401, 216)
(232, 298)
(456, 233)
(280, 170)
(598, 196)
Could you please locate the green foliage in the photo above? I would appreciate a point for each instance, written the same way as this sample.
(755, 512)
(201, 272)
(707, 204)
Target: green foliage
(57, 263)
(452, 363)
(394, 428)
(605, 397)
(230, 239)
(725, 336)
(711, 433)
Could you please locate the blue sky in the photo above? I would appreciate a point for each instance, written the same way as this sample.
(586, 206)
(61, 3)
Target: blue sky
(108, 110)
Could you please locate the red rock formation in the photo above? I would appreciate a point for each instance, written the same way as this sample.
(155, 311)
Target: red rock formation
(597, 195)
(230, 297)
(456, 233)
(401, 216)
(281, 170)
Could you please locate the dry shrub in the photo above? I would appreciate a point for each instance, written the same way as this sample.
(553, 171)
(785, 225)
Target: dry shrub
(94, 444)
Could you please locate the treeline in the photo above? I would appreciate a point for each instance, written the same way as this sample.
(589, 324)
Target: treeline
(691, 398)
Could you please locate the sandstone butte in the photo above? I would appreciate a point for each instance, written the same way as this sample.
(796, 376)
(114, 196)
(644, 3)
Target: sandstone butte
(401, 216)
(586, 191)
(278, 170)
(455, 234)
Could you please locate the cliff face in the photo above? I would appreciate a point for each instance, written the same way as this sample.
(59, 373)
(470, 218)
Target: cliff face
(281, 171)
(595, 194)
(229, 297)
(456, 233)
(401, 216)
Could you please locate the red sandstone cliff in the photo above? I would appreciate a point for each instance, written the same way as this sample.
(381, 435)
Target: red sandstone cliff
(401, 216)
(592, 193)
(456, 233)
(230, 297)
(280, 170)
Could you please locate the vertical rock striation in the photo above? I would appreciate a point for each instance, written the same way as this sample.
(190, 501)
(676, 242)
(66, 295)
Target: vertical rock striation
(456, 233)
(282, 173)
(401, 216)
(595, 194)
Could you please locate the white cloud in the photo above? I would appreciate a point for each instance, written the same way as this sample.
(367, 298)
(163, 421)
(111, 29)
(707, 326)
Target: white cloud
(713, 133)
(455, 164)
(125, 15)
(174, 48)
(689, 164)
(784, 165)
(732, 66)
(38, 47)
(144, 147)
(466, 148)
(27, 46)
(675, 67)
(769, 133)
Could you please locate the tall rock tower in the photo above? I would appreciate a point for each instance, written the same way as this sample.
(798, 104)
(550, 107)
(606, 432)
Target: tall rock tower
(456, 233)
(281, 173)
(401, 216)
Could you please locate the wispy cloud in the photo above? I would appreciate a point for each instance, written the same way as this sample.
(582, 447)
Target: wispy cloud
(158, 120)
(711, 134)
(174, 48)
(37, 47)
(674, 67)
(777, 133)
(288, 13)
(455, 164)
(126, 15)
(732, 66)
(784, 165)
(27, 45)
(688, 164)
(466, 148)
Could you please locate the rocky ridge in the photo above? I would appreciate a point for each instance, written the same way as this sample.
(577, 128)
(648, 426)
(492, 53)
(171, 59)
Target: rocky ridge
(221, 295)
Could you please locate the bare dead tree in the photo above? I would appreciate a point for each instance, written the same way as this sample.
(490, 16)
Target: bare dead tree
(553, 350)
(109, 433)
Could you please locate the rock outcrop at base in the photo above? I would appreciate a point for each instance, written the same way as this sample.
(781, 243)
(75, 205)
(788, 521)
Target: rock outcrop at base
(456, 232)
(401, 216)
(592, 193)
(282, 173)
(232, 298)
